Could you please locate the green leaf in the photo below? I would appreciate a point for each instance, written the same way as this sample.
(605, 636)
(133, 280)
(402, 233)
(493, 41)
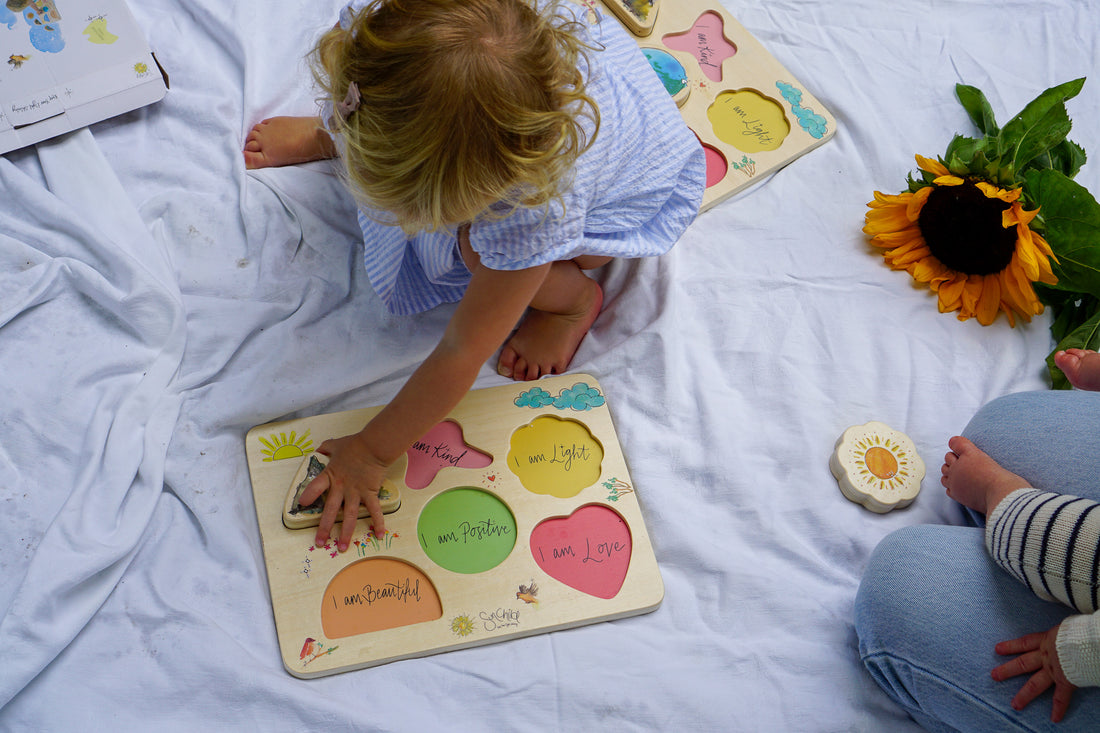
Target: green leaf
(1041, 125)
(1049, 131)
(1086, 336)
(961, 151)
(977, 106)
(1072, 220)
(1067, 157)
(1071, 310)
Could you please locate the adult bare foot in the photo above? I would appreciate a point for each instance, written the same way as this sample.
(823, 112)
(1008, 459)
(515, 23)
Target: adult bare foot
(1081, 367)
(974, 479)
(546, 342)
(286, 141)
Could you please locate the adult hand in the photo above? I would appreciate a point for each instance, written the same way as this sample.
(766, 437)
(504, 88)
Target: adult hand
(352, 477)
(1038, 656)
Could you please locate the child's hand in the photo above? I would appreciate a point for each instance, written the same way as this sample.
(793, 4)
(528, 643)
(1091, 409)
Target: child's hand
(351, 478)
(1081, 367)
(1039, 657)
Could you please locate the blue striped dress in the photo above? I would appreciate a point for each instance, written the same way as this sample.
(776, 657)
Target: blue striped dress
(633, 193)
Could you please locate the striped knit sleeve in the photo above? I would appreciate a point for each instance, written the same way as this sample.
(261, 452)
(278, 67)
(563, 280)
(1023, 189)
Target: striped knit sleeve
(1078, 645)
(1051, 543)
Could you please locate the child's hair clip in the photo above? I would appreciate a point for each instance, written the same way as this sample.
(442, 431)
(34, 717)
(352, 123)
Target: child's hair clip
(350, 103)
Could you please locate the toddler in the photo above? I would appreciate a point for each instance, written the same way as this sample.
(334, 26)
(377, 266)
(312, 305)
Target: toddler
(497, 150)
(949, 616)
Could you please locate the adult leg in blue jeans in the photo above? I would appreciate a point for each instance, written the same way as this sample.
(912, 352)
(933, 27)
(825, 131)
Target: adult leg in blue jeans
(932, 604)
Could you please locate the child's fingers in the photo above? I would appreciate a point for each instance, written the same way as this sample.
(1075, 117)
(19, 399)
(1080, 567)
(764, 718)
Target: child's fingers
(347, 527)
(316, 487)
(1027, 643)
(1035, 686)
(374, 506)
(1062, 696)
(1023, 664)
(333, 501)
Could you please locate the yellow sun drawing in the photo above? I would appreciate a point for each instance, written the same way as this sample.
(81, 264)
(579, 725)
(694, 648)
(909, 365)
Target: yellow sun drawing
(280, 447)
(462, 625)
(141, 67)
(882, 461)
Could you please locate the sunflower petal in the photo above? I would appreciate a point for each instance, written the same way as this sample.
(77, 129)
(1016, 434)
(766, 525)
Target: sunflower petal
(1015, 215)
(904, 255)
(905, 237)
(972, 291)
(994, 192)
(1018, 295)
(948, 180)
(931, 165)
(916, 203)
(926, 269)
(885, 220)
(951, 293)
(989, 303)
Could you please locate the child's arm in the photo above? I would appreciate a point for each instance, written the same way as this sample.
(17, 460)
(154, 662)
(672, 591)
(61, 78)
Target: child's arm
(287, 141)
(494, 302)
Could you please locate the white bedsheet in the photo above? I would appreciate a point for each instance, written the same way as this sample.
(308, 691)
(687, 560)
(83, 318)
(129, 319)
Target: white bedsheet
(157, 301)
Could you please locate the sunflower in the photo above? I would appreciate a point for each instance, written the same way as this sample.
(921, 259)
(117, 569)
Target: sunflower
(968, 239)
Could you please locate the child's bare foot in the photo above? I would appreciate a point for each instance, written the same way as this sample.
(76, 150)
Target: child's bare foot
(287, 141)
(1081, 367)
(545, 342)
(974, 479)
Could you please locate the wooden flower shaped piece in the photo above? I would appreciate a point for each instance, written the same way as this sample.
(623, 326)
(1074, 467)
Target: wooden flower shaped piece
(877, 466)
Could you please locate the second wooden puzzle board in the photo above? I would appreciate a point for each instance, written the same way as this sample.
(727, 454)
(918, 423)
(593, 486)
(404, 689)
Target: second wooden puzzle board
(751, 115)
(517, 516)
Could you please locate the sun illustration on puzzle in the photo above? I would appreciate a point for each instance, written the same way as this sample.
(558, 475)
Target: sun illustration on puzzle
(462, 625)
(882, 461)
(278, 447)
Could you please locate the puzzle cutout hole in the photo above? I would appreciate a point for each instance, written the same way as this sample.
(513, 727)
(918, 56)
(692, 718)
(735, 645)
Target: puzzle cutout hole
(748, 120)
(555, 456)
(442, 447)
(717, 167)
(707, 42)
(467, 530)
(589, 550)
(377, 594)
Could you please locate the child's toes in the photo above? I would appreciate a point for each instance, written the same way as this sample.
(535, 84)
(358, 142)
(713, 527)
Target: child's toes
(506, 365)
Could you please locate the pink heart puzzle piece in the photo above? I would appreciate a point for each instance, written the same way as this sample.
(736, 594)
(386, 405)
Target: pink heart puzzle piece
(589, 550)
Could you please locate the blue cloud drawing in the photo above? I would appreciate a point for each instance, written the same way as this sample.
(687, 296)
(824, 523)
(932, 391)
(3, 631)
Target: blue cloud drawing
(535, 398)
(808, 120)
(792, 95)
(811, 122)
(579, 397)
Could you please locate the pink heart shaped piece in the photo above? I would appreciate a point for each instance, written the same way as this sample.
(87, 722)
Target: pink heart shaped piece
(589, 550)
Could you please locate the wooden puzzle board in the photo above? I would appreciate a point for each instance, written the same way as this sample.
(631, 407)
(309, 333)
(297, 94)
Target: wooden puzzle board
(474, 557)
(752, 116)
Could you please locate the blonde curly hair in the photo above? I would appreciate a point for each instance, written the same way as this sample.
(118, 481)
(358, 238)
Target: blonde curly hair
(465, 105)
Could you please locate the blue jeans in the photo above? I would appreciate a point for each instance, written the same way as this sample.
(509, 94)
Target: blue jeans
(932, 605)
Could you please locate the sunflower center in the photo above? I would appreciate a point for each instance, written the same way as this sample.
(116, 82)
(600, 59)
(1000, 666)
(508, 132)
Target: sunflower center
(962, 228)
